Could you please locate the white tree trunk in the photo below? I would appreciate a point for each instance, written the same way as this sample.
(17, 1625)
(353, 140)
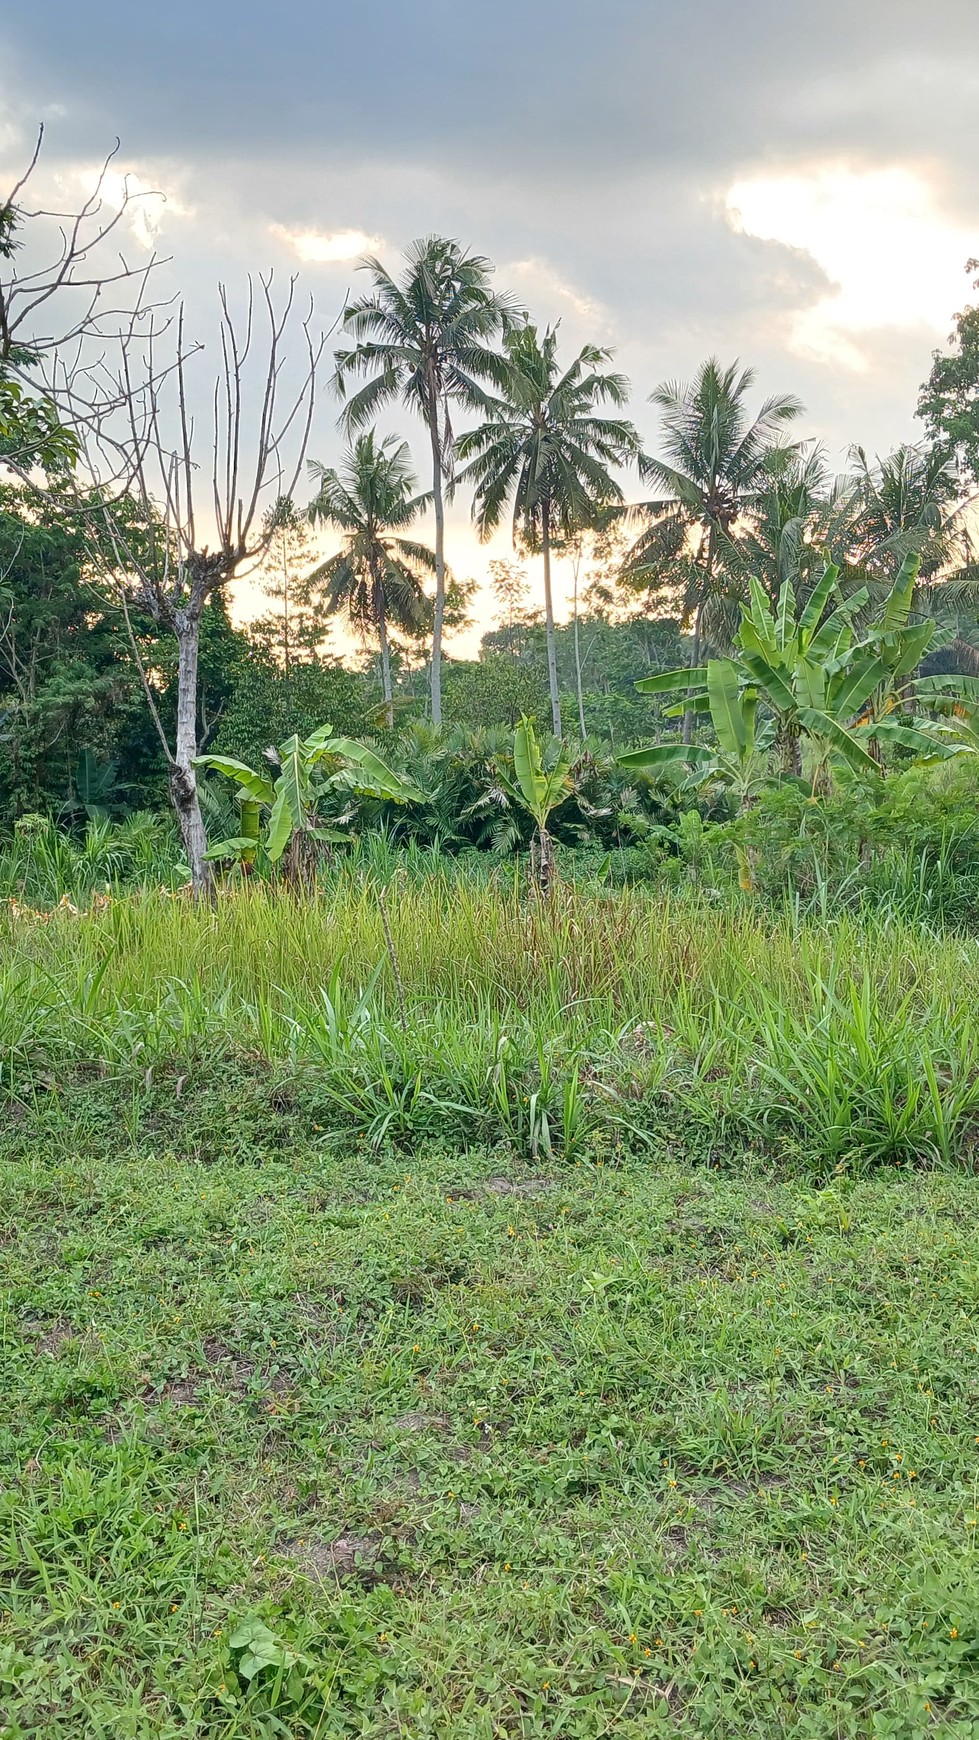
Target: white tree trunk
(382, 635)
(183, 778)
(549, 626)
(439, 506)
(577, 658)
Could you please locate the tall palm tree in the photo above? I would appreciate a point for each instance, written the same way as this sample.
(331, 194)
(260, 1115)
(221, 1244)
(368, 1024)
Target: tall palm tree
(714, 464)
(544, 449)
(904, 504)
(376, 577)
(784, 537)
(425, 339)
(908, 503)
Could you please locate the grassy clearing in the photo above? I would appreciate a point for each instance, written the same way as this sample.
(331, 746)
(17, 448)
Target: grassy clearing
(488, 1450)
(601, 1023)
(576, 1341)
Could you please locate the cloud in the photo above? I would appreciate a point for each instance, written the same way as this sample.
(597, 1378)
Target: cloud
(791, 185)
(316, 247)
(553, 294)
(891, 257)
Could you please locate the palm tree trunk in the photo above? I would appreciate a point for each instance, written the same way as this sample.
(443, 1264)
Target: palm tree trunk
(382, 635)
(549, 624)
(577, 655)
(285, 613)
(439, 506)
(694, 662)
(695, 647)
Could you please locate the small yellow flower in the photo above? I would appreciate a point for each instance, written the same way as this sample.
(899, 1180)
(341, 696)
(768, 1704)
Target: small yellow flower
(953, 1631)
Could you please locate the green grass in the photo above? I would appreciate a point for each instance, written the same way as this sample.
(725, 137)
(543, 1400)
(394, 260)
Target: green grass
(579, 1341)
(606, 1022)
(490, 1449)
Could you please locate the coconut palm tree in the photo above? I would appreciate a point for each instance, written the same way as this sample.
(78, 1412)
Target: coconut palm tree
(905, 503)
(784, 538)
(425, 339)
(544, 449)
(714, 465)
(376, 577)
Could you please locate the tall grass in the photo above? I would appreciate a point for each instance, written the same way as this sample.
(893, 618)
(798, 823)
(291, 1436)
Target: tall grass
(596, 1020)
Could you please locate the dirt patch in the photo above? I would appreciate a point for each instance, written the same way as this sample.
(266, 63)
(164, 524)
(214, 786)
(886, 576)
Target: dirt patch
(51, 1337)
(348, 1558)
(181, 1392)
(503, 1186)
(228, 1369)
(415, 1420)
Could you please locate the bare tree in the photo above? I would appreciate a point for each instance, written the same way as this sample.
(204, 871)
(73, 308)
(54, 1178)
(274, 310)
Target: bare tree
(66, 297)
(98, 390)
(172, 555)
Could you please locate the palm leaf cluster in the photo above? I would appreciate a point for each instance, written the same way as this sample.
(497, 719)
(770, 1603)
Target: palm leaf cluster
(376, 579)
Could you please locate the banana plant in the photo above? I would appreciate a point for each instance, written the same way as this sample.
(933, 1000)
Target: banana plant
(542, 781)
(810, 671)
(740, 761)
(955, 698)
(289, 800)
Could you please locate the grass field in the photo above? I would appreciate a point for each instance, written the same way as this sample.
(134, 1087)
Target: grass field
(313, 1431)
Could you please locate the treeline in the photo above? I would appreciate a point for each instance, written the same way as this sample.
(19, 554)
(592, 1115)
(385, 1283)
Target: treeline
(120, 667)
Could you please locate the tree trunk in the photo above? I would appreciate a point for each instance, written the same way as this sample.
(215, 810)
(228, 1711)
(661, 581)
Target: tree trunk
(577, 659)
(694, 662)
(183, 779)
(788, 746)
(549, 624)
(382, 635)
(439, 506)
(542, 861)
(285, 613)
(695, 648)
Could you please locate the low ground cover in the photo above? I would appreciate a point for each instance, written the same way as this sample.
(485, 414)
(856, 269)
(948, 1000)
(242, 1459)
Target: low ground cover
(600, 1022)
(564, 1325)
(471, 1448)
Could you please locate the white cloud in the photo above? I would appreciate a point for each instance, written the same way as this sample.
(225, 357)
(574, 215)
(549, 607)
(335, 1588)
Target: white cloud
(329, 247)
(892, 257)
(149, 202)
(543, 284)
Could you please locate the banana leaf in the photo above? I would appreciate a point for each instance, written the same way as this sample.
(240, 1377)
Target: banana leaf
(253, 785)
(726, 706)
(666, 755)
(665, 681)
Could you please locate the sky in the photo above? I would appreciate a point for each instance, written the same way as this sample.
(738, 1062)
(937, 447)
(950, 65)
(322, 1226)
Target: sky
(795, 186)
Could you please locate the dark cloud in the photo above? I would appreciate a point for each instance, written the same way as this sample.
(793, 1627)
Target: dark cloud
(540, 84)
(586, 145)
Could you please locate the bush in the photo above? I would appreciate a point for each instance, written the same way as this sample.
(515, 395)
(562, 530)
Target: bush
(267, 706)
